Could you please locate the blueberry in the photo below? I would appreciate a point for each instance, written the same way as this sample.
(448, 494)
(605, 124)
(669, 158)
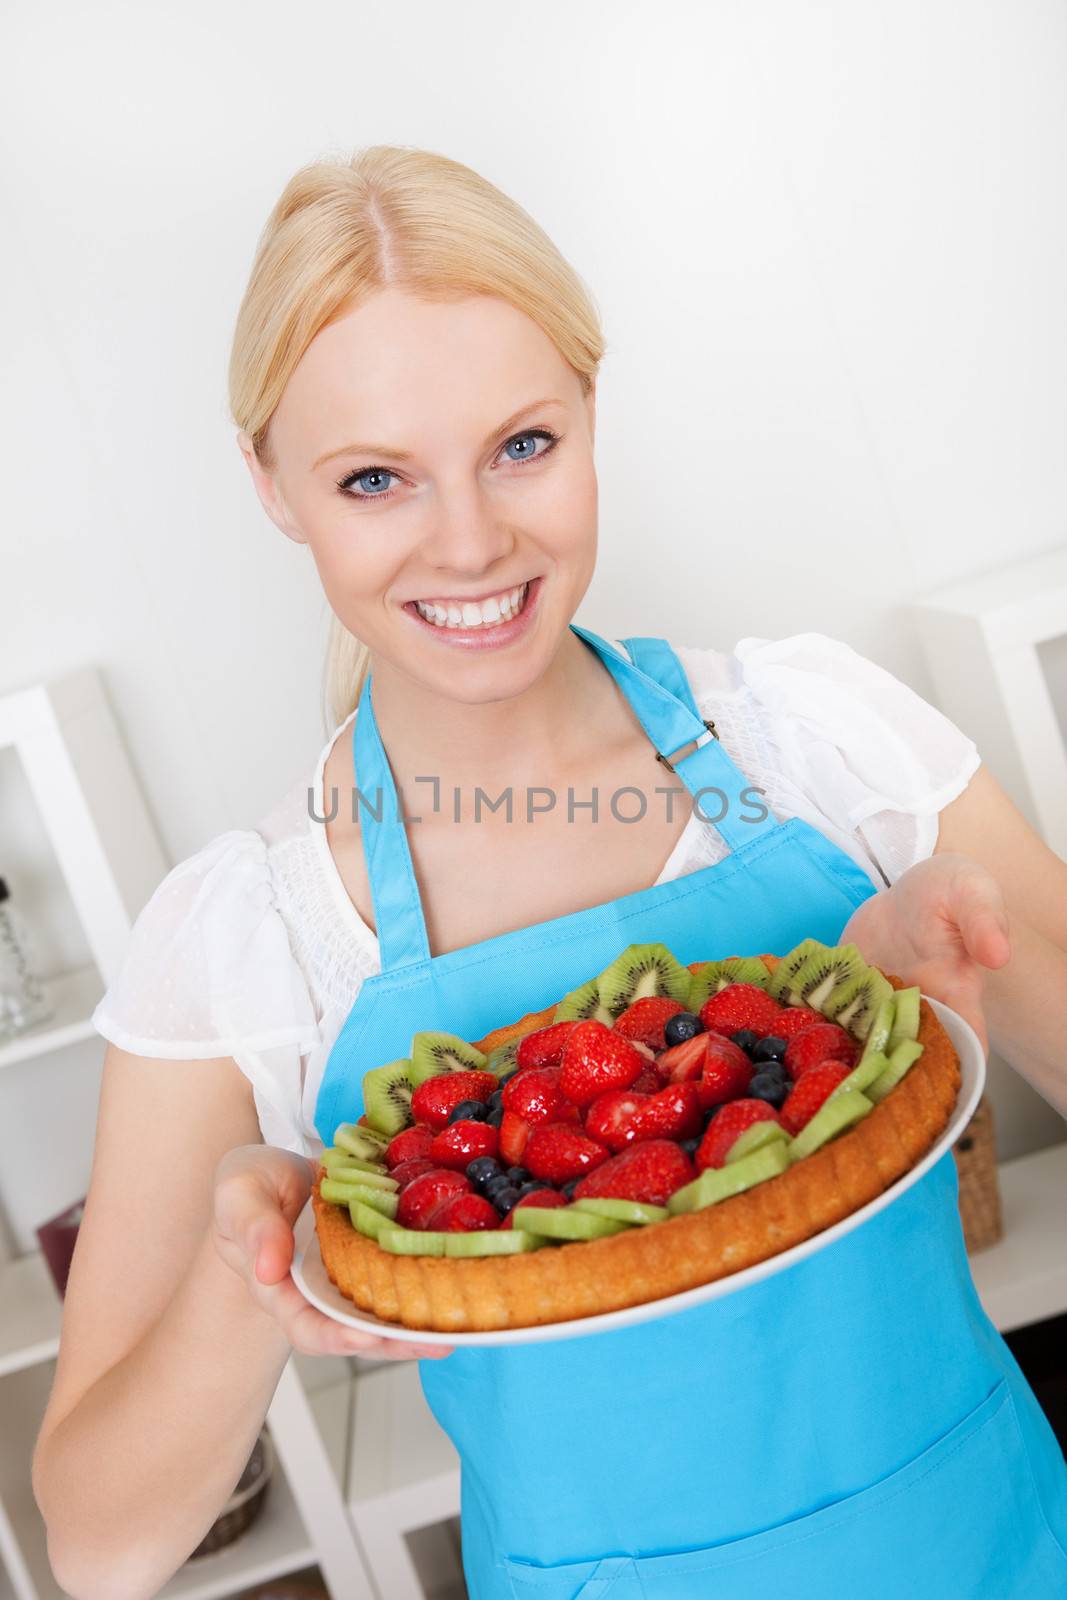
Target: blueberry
(682, 1026)
(496, 1099)
(482, 1170)
(711, 1113)
(769, 1049)
(531, 1186)
(746, 1039)
(469, 1111)
(567, 1189)
(504, 1197)
(506, 1077)
(518, 1176)
(773, 1090)
(771, 1069)
(495, 1116)
(690, 1146)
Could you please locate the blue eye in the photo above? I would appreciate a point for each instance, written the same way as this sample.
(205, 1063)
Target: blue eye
(371, 477)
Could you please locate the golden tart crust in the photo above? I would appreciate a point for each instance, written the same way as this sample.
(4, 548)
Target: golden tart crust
(451, 1294)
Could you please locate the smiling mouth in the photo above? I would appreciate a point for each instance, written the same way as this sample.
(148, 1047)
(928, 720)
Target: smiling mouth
(468, 614)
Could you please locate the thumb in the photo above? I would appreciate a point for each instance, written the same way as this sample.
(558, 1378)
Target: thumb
(982, 919)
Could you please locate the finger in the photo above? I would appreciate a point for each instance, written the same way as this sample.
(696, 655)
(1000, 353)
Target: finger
(982, 919)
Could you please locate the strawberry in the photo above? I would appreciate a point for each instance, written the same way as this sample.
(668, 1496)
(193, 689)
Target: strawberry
(646, 1082)
(463, 1213)
(645, 1020)
(544, 1046)
(594, 1059)
(558, 1152)
(724, 1128)
(794, 1019)
(406, 1171)
(650, 1172)
(461, 1142)
(421, 1196)
(727, 1071)
(534, 1095)
(514, 1132)
(540, 1197)
(411, 1144)
(614, 1117)
(823, 1041)
(683, 1062)
(434, 1101)
(807, 1095)
(622, 1117)
(741, 1005)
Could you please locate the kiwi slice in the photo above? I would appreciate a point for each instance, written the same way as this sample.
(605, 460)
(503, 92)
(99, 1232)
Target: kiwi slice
(361, 1175)
(564, 1222)
(711, 976)
(582, 1004)
(342, 1194)
(491, 1242)
(387, 1096)
(411, 1241)
(623, 1210)
(640, 971)
(905, 1017)
(868, 1068)
(367, 1144)
(854, 1004)
(338, 1161)
(836, 1114)
(901, 1058)
(434, 1053)
(817, 979)
(718, 1183)
(780, 981)
(881, 1028)
(368, 1220)
(754, 1138)
(503, 1059)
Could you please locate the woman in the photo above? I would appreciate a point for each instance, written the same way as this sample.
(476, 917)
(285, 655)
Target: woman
(413, 377)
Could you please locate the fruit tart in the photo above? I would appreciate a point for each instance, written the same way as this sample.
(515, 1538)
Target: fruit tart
(658, 1128)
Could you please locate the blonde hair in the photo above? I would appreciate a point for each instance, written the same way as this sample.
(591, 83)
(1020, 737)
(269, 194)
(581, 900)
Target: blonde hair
(388, 214)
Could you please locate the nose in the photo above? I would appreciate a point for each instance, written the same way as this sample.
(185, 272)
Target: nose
(467, 534)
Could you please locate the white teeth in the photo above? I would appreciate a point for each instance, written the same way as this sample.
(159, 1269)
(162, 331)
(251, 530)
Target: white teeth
(473, 613)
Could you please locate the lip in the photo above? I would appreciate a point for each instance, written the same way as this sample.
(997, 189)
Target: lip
(488, 636)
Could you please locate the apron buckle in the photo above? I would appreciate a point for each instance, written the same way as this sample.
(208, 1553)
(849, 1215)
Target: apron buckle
(711, 729)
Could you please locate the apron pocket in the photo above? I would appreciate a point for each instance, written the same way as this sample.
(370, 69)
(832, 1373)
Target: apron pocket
(962, 1518)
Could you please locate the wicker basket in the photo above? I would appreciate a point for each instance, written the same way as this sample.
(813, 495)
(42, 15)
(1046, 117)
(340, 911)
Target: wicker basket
(975, 1152)
(244, 1504)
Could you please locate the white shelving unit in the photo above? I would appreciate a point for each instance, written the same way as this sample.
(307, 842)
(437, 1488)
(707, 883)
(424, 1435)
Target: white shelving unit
(66, 740)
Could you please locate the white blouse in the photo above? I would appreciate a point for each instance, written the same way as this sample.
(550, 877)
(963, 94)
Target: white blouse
(251, 947)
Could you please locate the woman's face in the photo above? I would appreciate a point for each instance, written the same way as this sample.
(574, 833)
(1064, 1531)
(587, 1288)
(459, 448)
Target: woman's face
(437, 458)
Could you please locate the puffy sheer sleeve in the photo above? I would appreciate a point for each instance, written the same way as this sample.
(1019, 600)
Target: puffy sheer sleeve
(209, 971)
(872, 754)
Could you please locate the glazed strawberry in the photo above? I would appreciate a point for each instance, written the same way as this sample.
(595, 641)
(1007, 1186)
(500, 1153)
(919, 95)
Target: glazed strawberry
(544, 1047)
(808, 1094)
(540, 1197)
(646, 1082)
(683, 1062)
(596, 1058)
(741, 1005)
(794, 1019)
(823, 1041)
(558, 1152)
(622, 1117)
(514, 1132)
(613, 1117)
(727, 1071)
(434, 1101)
(463, 1213)
(407, 1171)
(461, 1142)
(650, 1172)
(421, 1196)
(409, 1145)
(724, 1128)
(645, 1020)
(534, 1095)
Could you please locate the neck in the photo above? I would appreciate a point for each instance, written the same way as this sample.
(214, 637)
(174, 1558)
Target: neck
(529, 738)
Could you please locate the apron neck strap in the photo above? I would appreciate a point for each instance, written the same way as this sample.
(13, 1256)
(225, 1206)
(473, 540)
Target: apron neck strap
(659, 694)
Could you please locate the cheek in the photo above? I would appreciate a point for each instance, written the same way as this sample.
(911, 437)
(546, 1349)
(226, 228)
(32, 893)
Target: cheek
(356, 565)
(565, 519)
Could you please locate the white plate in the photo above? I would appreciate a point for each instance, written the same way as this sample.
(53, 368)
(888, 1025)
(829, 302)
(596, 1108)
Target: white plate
(312, 1280)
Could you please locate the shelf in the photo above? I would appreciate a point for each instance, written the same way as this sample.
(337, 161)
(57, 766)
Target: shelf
(1023, 1278)
(398, 1455)
(30, 1313)
(74, 998)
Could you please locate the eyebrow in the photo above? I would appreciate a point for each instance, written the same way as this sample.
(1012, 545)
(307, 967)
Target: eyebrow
(406, 455)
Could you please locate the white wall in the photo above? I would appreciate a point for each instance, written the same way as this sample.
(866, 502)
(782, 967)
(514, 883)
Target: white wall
(828, 241)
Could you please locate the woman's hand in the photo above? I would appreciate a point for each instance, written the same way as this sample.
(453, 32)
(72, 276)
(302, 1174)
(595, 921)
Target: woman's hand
(941, 926)
(259, 1193)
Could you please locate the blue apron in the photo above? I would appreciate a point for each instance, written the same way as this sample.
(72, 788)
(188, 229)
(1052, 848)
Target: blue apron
(851, 1426)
